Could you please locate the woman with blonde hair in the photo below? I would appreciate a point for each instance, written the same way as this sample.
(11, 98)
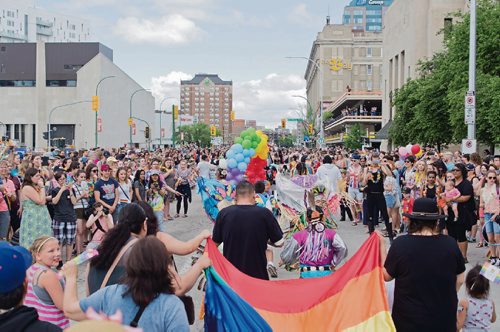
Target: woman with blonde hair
(420, 178)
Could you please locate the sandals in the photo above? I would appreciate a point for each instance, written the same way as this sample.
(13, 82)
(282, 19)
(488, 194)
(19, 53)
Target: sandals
(354, 223)
(176, 216)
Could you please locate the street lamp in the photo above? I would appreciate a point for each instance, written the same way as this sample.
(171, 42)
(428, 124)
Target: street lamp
(147, 124)
(96, 93)
(132, 96)
(49, 134)
(316, 64)
(165, 112)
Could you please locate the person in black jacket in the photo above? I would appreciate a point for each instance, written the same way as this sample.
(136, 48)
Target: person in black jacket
(14, 316)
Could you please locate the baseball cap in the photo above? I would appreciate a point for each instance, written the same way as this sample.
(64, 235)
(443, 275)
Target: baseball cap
(106, 154)
(111, 160)
(470, 167)
(105, 167)
(154, 172)
(14, 261)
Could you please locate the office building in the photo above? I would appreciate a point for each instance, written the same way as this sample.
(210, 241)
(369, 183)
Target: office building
(411, 33)
(209, 100)
(54, 82)
(365, 15)
(21, 22)
(348, 80)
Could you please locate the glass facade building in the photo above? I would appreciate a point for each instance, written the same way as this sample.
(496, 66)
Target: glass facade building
(365, 15)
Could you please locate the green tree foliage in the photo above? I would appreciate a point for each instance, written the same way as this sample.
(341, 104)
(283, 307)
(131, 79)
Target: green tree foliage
(430, 109)
(287, 141)
(198, 133)
(354, 140)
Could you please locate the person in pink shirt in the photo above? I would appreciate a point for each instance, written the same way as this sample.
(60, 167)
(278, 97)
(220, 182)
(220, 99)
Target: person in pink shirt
(100, 222)
(453, 193)
(7, 195)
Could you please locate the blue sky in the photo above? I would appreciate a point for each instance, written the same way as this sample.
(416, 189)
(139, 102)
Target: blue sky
(159, 42)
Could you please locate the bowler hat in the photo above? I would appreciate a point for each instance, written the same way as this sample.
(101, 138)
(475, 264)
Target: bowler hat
(424, 209)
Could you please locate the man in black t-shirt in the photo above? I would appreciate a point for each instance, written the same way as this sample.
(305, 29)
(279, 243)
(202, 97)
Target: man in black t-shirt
(246, 229)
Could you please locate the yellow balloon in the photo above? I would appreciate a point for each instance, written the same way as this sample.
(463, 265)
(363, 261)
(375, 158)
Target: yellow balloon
(419, 154)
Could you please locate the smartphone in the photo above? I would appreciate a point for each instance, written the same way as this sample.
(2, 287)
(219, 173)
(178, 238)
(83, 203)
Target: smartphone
(45, 161)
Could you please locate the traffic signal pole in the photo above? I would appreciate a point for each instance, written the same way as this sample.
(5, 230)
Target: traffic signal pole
(173, 126)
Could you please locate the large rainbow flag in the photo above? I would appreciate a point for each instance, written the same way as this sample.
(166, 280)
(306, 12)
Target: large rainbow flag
(351, 299)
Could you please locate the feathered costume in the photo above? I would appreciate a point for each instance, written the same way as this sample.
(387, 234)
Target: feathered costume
(214, 194)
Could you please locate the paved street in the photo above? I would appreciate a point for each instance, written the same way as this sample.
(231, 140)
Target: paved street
(354, 236)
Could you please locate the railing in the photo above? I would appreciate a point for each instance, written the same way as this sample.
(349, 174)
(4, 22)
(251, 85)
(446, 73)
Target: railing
(357, 118)
(13, 35)
(44, 31)
(343, 136)
(45, 23)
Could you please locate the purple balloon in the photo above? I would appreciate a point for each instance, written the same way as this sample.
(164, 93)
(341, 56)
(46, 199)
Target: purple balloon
(235, 172)
(240, 177)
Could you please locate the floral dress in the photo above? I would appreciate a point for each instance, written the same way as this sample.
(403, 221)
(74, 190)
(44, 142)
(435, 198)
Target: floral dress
(35, 222)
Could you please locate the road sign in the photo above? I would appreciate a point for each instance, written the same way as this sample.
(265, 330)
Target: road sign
(130, 121)
(99, 124)
(295, 120)
(470, 100)
(133, 128)
(469, 146)
(470, 115)
(216, 140)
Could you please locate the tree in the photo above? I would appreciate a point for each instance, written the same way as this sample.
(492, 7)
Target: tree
(287, 141)
(430, 109)
(198, 133)
(354, 140)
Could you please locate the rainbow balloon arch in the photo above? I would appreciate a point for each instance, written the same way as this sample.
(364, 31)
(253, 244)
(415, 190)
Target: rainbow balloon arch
(247, 158)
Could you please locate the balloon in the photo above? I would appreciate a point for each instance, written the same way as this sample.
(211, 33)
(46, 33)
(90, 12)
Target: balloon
(232, 163)
(402, 151)
(251, 152)
(233, 182)
(419, 154)
(247, 160)
(246, 152)
(239, 157)
(247, 144)
(254, 144)
(223, 163)
(230, 154)
(242, 166)
(235, 171)
(415, 149)
(251, 130)
(408, 148)
(238, 140)
(237, 148)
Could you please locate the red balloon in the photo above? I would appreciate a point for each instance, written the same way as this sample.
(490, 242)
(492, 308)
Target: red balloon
(415, 149)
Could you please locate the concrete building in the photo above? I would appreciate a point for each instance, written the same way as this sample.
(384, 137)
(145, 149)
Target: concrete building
(209, 100)
(350, 76)
(38, 80)
(365, 15)
(410, 34)
(21, 22)
(240, 125)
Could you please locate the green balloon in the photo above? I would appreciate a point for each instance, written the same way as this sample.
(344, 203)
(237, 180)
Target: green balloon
(238, 140)
(254, 145)
(259, 139)
(254, 137)
(247, 144)
(243, 134)
(251, 130)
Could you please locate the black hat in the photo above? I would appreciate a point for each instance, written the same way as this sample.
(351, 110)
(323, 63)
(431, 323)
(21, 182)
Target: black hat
(424, 209)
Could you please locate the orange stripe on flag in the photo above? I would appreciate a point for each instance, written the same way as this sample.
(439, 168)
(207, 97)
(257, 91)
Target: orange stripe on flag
(361, 302)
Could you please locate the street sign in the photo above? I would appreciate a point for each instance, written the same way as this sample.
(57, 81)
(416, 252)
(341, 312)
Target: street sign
(470, 101)
(469, 146)
(306, 138)
(295, 120)
(216, 140)
(99, 124)
(133, 128)
(470, 115)
(130, 121)
(162, 132)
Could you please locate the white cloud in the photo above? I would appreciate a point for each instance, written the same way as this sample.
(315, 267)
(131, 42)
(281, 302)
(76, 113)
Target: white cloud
(168, 86)
(169, 30)
(300, 14)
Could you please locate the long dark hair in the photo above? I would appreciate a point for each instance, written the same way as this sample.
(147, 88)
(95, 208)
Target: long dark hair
(152, 220)
(88, 170)
(28, 177)
(132, 218)
(137, 176)
(418, 225)
(477, 286)
(147, 271)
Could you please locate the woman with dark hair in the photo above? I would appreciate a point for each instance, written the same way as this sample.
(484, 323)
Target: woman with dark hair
(91, 177)
(36, 220)
(429, 270)
(146, 297)
(465, 219)
(139, 186)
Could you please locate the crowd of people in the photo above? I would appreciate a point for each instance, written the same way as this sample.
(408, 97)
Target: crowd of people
(60, 204)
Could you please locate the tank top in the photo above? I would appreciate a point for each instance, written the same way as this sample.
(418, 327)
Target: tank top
(38, 298)
(479, 314)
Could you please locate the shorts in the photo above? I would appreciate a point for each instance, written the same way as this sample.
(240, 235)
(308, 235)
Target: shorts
(392, 201)
(491, 226)
(64, 232)
(355, 194)
(80, 213)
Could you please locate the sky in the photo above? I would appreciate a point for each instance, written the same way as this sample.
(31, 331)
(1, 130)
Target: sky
(160, 42)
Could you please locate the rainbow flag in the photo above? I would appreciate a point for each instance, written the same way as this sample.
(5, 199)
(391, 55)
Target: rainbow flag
(351, 299)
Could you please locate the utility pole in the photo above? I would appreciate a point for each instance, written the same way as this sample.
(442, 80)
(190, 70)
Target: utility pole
(470, 98)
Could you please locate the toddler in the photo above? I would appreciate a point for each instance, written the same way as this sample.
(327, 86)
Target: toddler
(451, 192)
(476, 312)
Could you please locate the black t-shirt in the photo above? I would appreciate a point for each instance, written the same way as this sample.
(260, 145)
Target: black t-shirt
(245, 231)
(377, 184)
(430, 192)
(425, 269)
(466, 209)
(63, 210)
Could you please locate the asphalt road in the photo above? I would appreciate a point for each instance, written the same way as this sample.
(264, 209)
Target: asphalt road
(353, 236)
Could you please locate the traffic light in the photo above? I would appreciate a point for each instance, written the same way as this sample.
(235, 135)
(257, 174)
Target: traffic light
(95, 103)
(176, 112)
(45, 135)
(146, 132)
(310, 129)
(213, 131)
(232, 115)
(283, 123)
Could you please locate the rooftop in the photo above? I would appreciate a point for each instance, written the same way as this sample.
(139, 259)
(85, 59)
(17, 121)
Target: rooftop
(198, 78)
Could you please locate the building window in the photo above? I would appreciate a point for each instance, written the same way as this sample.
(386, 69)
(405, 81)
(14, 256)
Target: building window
(369, 69)
(357, 12)
(448, 26)
(369, 52)
(61, 83)
(369, 85)
(17, 83)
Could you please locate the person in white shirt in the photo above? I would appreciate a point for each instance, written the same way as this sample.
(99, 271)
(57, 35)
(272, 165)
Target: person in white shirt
(329, 174)
(204, 167)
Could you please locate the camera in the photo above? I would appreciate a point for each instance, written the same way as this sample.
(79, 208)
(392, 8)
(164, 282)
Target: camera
(105, 211)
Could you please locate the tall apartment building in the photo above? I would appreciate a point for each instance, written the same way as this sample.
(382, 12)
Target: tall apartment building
(209, 100)
(350, 76)
(21, 22)
(365, 15)
(410, 34)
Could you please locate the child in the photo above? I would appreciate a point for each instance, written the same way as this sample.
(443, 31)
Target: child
(45, 288)
(407, 207)
(476, 312)
(156, 200)
(451, 192)
(100, 222)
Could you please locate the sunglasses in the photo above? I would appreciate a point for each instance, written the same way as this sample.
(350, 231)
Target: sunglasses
(455, 170)
(94, 171)
(491, 177)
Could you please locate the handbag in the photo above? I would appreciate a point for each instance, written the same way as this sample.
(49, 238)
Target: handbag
(87, 211)
(187, 301)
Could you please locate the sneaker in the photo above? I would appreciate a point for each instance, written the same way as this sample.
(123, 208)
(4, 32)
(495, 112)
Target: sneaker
(272, 270)
(493, 261)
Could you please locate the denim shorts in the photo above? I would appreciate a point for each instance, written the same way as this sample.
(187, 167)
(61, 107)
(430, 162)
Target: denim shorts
(390, 200)
(490, 225)
(355, 194)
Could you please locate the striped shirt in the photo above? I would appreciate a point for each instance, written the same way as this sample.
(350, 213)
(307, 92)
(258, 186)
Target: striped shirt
(46, 311)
